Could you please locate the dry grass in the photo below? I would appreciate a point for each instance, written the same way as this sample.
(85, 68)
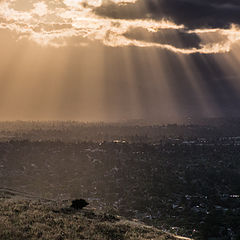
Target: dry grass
(34, 219)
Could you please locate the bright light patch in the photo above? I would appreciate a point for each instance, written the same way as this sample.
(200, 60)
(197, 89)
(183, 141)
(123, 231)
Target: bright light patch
(40, 9)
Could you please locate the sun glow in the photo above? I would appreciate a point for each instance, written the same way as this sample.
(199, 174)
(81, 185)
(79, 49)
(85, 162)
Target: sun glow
(76, 3)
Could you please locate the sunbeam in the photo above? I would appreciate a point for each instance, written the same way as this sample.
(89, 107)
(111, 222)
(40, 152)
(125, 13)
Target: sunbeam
(109, 60)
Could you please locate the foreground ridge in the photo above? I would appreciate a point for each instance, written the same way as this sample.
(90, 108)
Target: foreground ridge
(25, 218)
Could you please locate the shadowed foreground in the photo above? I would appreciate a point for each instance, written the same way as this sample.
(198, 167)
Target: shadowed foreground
(22, 218)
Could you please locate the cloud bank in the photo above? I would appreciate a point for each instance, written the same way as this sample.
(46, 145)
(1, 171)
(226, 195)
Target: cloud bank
(180, 26)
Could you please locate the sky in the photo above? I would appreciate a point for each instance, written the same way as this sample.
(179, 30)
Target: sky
(114, 60)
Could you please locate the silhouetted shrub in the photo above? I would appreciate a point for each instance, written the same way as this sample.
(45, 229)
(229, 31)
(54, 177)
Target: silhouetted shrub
(79, 204)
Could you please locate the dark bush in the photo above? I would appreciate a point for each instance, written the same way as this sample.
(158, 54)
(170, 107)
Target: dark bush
(79, 204)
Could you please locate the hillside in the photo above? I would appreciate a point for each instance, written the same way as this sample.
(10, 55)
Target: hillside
(23, 217)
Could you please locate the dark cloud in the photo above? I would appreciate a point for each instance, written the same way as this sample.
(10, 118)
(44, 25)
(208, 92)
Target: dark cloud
(191, 13)
(173, 37)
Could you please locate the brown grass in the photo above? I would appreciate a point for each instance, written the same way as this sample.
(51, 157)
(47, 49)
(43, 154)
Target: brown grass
(22, 219)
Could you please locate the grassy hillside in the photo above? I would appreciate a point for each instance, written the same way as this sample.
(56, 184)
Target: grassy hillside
(26, 218)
